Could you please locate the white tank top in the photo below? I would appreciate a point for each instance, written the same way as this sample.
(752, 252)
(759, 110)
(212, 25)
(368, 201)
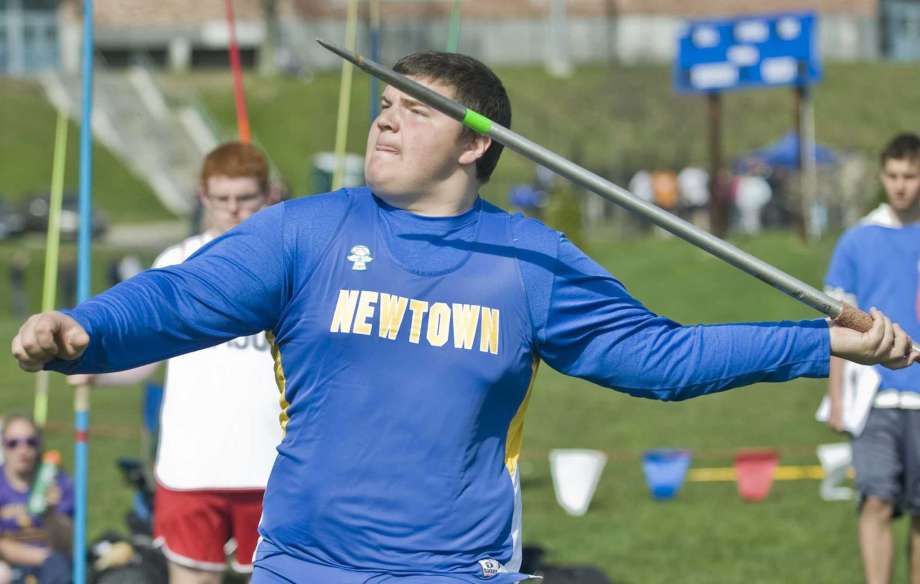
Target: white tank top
(220, 422)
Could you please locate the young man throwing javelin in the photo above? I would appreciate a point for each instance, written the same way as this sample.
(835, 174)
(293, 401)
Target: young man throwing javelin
(407, 319)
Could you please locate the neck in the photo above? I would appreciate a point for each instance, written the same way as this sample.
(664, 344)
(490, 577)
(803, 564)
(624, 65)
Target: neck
(20, 482)
(452, 197)
(214, 232)
(907, 216)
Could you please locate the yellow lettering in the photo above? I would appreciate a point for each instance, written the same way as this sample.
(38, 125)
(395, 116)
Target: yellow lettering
(438, 324)
(466, 320)
(365, 311)
(392, 311)
(418, 308)
(344, 311)
(488, 340)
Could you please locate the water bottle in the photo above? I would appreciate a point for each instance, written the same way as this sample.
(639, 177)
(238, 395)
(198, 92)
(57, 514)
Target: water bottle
(38, 498)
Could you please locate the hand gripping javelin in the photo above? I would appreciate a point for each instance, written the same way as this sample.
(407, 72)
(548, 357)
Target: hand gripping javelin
(842, 313)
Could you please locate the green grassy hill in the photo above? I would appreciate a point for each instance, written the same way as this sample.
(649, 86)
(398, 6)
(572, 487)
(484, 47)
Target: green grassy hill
(26, 151)
(612, 119)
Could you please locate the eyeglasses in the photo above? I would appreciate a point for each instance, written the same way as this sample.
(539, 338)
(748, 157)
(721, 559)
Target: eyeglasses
(246, 200)
(13, 443)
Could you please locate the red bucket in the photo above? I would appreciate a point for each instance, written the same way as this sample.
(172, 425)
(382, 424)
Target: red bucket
(754, 472)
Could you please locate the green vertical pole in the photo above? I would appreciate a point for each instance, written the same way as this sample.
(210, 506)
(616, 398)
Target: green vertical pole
(453, 31)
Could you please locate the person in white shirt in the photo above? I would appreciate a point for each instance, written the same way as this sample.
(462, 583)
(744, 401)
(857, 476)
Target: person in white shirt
(221, 415)
(693, 184)
(752, 194)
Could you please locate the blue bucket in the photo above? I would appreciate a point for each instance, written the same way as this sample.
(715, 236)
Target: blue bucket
(665, 469)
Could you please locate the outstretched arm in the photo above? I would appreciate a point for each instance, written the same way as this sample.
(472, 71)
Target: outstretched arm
(596, 330)
(236, 285)
(835, 394)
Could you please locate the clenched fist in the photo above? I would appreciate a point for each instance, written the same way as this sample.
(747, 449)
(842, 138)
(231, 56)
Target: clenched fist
(885, 344)
(46, 336)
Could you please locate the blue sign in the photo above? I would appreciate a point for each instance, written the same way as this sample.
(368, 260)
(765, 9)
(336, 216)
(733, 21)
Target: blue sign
(749, 51)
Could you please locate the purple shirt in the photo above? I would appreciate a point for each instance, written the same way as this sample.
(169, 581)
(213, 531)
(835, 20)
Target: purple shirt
(15, 520)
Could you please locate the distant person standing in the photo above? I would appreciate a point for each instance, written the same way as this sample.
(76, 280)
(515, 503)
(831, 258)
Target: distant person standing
(693, 186)
(877, 264)
(752, 194)
(221, 417)
(666, 194)
(664, 189)
(640, 185)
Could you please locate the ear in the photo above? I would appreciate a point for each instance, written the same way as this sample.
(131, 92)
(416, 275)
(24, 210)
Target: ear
(474, 148)
(273, 193)
(202, 195)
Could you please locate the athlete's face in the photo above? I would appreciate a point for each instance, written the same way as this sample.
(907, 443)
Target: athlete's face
(901, 179)
(412, 149)
(230, 201)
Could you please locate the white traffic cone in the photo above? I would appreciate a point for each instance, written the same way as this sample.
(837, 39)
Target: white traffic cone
(576, 473)
(835, 460)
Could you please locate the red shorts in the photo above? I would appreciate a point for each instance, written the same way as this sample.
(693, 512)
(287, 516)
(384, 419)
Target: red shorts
(193, 527)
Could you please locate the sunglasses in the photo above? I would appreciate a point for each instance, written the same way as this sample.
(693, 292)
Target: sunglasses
(13, 443)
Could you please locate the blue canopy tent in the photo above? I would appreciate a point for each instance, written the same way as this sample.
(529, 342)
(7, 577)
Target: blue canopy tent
(784, 153)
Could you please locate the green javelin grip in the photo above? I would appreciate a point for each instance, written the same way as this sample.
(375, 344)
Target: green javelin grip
(842, 313)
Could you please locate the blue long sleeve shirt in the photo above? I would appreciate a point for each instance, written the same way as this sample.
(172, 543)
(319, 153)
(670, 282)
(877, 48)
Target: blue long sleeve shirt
(405, 350)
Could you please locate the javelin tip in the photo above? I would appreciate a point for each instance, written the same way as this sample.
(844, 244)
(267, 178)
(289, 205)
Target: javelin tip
(347, 55)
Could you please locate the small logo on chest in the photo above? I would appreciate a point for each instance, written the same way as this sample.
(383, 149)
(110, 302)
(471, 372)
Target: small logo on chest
(359, 257)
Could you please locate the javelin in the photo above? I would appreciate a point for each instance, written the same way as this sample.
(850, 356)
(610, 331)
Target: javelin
(842, 313)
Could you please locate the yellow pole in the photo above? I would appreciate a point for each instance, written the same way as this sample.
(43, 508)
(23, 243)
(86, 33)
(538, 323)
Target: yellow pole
(52, 247)
(341, 129)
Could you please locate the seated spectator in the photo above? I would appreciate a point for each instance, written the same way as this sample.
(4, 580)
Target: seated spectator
(34, 547)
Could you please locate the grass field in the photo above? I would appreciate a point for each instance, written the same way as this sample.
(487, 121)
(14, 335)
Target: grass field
(707, 534)
(612, 120)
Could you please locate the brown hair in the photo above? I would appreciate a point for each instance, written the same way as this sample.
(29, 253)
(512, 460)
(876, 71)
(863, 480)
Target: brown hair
(236, 160)
(475, 86)
(904, 146)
